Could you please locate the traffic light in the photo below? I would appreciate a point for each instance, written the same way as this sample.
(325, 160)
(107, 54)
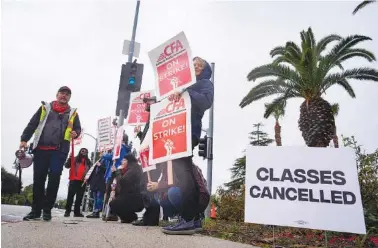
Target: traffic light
(202, 147)
(130, 81)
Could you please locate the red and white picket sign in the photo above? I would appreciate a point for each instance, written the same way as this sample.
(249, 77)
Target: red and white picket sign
(172, 65)
(144, 153)
(137, 114)
(118, 143)
(171, 130)
(79, 139)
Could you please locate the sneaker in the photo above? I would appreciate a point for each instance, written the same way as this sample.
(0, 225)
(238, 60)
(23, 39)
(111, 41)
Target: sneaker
(198, 225)
(182, 228)
(78, 215)
(94, 215)
(46, 215)
(67, 214)
(32, 216)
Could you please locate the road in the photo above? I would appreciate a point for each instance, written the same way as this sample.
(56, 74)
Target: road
(82, 233)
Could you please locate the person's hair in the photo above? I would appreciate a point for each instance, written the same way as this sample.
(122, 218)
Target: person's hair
(201, 60)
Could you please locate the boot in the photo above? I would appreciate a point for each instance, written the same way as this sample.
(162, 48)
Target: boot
(33, 215)
(94, 215)
(46, 215)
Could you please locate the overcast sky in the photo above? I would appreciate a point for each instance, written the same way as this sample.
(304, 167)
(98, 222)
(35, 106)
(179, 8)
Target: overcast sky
(47, 44)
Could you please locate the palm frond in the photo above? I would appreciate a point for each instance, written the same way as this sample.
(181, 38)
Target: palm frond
(281, 71)
(362, 5)
(335, 109)
(322, 44)
(264, 89)
(278, 102)
(356, 52)
(280, 50)
(279, 109)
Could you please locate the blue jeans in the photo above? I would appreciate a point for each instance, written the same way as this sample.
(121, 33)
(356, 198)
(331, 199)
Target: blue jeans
(98, 198)
(171, 205)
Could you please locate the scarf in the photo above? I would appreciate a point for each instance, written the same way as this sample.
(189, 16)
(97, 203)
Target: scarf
(59, 108)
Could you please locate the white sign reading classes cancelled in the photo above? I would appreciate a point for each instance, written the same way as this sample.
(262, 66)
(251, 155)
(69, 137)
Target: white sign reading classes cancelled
(304, 187)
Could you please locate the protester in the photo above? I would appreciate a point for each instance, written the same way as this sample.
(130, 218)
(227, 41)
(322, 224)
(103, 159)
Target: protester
(97, 186)
(54, 125)
(201, 95)
(78, 170)
(152, 213)
(128, 198)
(109, 175)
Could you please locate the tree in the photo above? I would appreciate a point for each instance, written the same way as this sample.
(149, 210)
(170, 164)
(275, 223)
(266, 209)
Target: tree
(367, 166)
(305, 71)
(335, 111)
(362, 5)
(278, 112)
(9, 183)
(258, 138)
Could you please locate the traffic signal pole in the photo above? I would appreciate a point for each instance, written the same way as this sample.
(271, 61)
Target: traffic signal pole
(130, 58)
(210, 146)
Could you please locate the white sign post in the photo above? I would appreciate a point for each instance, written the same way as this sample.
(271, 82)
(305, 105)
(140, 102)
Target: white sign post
(104, 129)
(314, 188)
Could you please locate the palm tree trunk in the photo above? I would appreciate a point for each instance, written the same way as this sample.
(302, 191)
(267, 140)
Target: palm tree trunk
(277, 133)
(335, 139)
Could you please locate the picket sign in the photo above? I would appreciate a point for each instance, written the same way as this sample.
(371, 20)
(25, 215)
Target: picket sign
(89, 172)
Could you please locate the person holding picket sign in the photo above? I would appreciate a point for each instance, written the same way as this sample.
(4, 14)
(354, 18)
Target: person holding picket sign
(185, 193)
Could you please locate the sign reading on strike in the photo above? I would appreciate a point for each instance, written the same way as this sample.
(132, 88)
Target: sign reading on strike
(305, 187)
(171, 130)
(137, 109)
(104, 127)
(173, 66)
(118, 143)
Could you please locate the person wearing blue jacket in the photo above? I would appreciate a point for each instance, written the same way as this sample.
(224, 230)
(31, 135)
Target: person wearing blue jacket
(185, 194)
(109, 175)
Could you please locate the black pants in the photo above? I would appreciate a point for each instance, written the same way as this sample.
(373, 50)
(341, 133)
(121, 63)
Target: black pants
(152, 214)
(75, 188)
(46, 163)
(183, 169)
(126, 206)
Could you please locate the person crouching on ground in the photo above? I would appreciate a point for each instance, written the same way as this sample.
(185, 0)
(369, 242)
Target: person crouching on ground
(97, 185)
(78, 169)
(128, 198)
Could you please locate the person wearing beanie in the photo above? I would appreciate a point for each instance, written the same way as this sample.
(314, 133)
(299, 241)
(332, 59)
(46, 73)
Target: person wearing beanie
(54, 126)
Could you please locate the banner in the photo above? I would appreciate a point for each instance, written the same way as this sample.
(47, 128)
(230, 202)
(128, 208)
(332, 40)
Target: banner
(144, 153)
(137, 114)
(173, 66)
(304, 187)
(104, 127)
(118, 143)
(171, 130)
(79, 139)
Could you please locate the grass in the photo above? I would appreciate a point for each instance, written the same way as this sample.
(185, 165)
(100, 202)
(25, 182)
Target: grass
(262, 236)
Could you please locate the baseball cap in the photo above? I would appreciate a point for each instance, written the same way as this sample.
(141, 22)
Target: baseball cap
(65, 88)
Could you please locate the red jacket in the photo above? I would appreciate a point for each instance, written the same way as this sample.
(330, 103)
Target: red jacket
(78, 170)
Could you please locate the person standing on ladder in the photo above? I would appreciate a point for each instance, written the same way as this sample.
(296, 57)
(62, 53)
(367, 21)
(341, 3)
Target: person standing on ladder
(54, 125)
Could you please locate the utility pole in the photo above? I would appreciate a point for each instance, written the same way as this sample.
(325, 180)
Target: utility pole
(210, 146)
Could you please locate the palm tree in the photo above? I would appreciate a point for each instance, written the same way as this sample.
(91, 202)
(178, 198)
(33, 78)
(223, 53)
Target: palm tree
(278, 111)
(362, 5)
(307, 71)
(335, 111)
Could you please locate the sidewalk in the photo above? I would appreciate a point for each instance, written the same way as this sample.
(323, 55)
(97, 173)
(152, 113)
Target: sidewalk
(81, 232)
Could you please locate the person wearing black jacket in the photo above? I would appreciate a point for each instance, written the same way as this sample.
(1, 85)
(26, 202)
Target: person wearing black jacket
(128, 197)
(54, 125)
(78, 170)
(97, 184)
(152, 213)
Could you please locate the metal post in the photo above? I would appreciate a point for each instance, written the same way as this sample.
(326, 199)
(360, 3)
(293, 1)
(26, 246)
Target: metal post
(131, 49)
(210, 147)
